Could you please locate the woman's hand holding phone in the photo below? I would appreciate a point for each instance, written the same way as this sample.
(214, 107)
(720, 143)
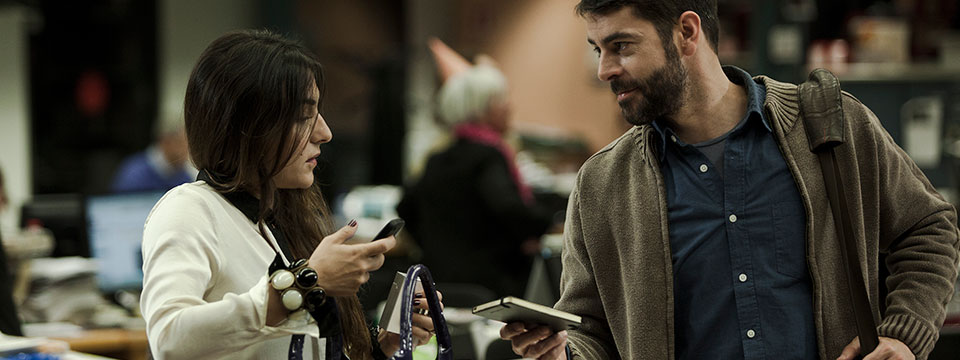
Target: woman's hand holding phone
(342, 268)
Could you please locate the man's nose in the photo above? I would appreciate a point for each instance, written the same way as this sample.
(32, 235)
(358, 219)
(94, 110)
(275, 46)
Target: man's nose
(609, 68)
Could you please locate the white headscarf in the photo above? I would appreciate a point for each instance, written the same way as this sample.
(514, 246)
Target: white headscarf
(469, 94)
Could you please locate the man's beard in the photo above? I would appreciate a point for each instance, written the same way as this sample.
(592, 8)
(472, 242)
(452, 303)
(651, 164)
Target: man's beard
(660, 94)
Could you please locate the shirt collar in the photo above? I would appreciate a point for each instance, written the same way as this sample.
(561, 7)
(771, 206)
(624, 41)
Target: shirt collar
(756, 95)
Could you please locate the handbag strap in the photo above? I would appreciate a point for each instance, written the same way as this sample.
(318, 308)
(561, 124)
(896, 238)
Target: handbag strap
(405, 352)
(821, 104)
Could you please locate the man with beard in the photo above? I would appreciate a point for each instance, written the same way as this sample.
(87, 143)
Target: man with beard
(705, 231)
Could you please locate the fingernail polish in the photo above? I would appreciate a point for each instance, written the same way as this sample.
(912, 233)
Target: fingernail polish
(352, 223)
(416, 303)
(419, 295)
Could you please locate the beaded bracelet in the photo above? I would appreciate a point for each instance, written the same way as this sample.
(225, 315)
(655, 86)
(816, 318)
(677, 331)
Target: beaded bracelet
(298, 287)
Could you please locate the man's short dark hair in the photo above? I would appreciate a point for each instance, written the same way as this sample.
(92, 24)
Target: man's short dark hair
(662, 13)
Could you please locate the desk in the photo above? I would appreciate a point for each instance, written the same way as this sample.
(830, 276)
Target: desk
(114, 343)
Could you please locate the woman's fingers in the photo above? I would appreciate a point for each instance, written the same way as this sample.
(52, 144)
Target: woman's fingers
(342, 235)
(372, 263)
(422, 321)
(421, 336)
(377, 247)
(424, 303)
(421, 302)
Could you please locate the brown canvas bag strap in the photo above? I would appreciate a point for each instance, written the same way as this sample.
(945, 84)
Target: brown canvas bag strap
(866, 325)
(822, 109)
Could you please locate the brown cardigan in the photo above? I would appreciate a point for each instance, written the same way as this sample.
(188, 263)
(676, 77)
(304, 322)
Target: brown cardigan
(617, 268)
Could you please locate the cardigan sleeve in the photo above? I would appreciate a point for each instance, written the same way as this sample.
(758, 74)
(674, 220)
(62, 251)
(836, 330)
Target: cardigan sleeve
(579, 294)
(918, 230)
(180, 261)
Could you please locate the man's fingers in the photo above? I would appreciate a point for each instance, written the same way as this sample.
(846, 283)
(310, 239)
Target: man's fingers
(544, 346)
(508, 331)
(523, 341)
(851, 350)
(558, 352)
(342, 235)
(890, 349)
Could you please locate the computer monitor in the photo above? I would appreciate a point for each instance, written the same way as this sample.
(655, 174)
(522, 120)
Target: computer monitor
(115, 230)
(63, 215)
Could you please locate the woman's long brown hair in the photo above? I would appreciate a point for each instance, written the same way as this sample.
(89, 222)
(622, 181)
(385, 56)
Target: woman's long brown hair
(244, 121)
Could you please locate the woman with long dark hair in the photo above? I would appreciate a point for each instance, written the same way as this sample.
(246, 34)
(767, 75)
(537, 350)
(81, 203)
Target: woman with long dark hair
(245, 262)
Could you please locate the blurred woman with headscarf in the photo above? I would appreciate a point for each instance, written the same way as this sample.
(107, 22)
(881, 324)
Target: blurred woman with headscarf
(470, 211)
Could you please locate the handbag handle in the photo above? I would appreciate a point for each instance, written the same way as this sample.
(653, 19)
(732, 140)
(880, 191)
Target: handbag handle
(436, 313)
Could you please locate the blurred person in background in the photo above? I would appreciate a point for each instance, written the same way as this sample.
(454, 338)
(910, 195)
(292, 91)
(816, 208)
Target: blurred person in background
(9, 320)
(705, 230)
(162, 166)
(222, 277)
(470, 211)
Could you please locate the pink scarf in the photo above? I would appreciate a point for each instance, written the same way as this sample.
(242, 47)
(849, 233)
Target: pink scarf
(483, 134)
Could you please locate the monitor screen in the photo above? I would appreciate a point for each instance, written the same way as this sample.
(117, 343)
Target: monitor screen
(115, 230)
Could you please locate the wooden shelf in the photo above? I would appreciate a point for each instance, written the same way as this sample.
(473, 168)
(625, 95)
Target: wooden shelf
(114, 343)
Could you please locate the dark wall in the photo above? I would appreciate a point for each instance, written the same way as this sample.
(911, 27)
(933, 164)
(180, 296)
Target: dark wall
(93, 90)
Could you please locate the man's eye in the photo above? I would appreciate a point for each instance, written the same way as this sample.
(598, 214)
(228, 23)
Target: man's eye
(596, 51)
(621, 45)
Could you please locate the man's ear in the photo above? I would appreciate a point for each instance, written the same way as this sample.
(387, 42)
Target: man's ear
(690, 33)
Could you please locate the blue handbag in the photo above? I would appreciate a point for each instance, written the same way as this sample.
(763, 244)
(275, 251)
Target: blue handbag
(444, 351)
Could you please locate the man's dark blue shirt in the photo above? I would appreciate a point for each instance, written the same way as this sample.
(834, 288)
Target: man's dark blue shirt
(737, 235)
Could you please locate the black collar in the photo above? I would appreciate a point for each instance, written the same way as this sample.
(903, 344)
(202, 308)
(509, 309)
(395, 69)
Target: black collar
(242, 200)
(250, 207)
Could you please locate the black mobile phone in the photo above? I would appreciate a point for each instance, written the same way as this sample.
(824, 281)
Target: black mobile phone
(390, 229)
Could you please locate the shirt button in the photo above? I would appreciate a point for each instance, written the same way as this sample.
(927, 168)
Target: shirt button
(733, 218)
(743, 277)
(703, 168)
(673, 138)
(751, 334)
